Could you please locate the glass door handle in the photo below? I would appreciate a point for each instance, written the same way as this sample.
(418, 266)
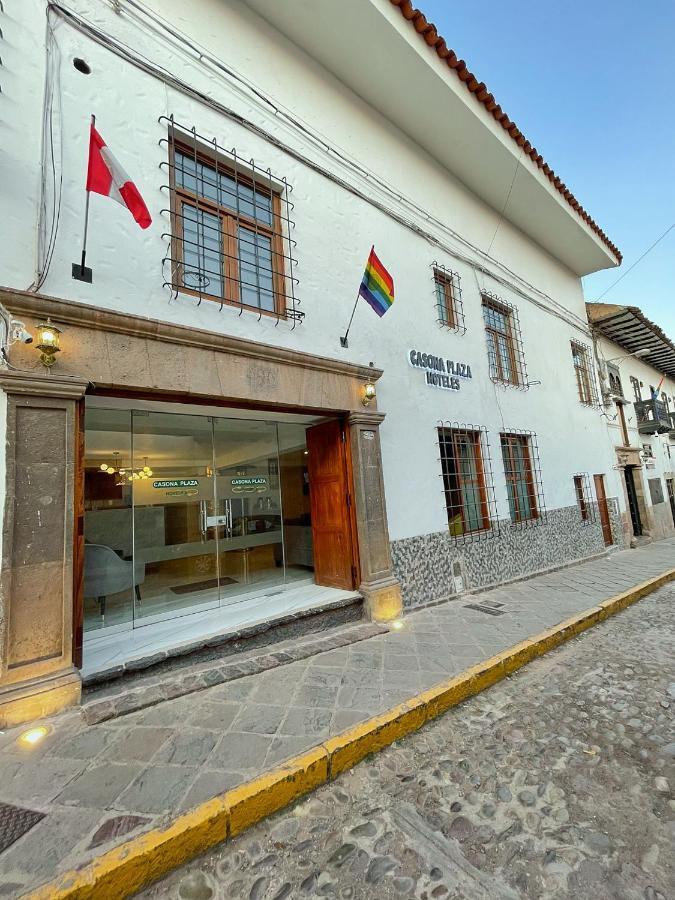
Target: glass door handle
(203, 520)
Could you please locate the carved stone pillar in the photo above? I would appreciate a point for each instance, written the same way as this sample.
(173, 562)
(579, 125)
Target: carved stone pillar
(380, 588)
(37, 676)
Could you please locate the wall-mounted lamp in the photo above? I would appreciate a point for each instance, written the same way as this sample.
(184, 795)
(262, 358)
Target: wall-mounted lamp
(368, 393)
(48, 339)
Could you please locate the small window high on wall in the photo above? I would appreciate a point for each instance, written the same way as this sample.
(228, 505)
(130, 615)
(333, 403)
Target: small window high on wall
(504, 343)
(585, 374)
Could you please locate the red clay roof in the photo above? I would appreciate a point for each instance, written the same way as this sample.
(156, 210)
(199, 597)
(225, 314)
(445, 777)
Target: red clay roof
(428, 31)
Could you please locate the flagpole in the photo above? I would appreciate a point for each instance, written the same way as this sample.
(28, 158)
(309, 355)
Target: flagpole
(81, 272)
(343, 340)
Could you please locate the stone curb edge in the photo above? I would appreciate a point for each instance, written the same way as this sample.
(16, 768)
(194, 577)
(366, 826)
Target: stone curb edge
(138, 862)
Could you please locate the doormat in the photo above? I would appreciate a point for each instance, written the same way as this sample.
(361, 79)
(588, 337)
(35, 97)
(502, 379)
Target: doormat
(15, 822)
(201, 585)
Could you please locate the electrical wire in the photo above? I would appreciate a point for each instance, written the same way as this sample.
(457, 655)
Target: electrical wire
(520, 285)
(639, 260)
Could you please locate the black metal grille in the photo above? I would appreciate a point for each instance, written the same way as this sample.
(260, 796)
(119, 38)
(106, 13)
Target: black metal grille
(468, 485)
(231, 228)
(504, 342)
(448, 298)
(582, 358)
(15, 822)
(582, 491)
(525, 489)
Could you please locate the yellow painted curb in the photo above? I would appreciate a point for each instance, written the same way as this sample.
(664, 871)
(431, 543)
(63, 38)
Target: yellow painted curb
(141, 860)
(248, 803)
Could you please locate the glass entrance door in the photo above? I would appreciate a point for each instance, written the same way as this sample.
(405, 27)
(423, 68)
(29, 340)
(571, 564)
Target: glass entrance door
(248, 517)
(184, 514)
(172, 481)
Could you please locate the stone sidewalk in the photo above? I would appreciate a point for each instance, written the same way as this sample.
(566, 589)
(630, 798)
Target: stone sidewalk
(98, 785)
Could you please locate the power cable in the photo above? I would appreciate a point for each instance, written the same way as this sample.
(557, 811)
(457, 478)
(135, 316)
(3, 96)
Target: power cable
(639, 260)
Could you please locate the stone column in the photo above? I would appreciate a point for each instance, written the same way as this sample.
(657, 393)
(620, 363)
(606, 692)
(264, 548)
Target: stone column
(37, 676)
(379, 587)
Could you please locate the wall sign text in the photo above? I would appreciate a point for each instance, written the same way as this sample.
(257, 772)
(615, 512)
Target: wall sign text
(439, 371)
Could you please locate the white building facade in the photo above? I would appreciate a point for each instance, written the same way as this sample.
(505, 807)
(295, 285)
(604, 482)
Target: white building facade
(205, 453)
(637, 368)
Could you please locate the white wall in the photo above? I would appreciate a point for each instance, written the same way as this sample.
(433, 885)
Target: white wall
(334, 232)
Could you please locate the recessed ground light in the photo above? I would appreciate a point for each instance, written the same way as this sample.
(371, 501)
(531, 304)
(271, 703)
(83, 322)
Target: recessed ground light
(397, 624)
(81, 66)
(33, 736)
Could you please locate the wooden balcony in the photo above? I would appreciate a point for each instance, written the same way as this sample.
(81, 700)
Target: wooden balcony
(653, 417)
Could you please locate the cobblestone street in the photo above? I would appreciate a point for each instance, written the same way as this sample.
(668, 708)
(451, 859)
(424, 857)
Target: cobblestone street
(556, 783)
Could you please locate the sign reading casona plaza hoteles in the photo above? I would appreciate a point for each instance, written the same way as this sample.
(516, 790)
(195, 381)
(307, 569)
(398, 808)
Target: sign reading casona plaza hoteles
(439, 372)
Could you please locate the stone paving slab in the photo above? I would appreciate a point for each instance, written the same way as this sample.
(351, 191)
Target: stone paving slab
(100, 784)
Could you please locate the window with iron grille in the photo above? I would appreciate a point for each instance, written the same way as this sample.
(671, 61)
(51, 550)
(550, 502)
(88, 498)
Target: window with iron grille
(505, 348)
(585, 374)
(582, 491)
(230, 238)
(466, 470)
(637, 393)
(448, 299)
(524, 488)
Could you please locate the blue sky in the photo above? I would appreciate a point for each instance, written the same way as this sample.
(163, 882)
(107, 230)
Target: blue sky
(592, 85)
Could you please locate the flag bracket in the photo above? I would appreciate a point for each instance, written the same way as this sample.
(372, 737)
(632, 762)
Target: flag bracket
(82, 273)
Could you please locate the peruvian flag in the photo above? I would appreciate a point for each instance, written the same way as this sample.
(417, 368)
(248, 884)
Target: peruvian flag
(106, 176)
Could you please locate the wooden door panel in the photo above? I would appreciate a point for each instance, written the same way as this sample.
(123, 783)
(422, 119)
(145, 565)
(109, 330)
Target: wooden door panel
(603, 510)
(328, 491)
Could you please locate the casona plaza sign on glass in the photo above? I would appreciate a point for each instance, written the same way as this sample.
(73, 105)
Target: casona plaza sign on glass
(439, 372)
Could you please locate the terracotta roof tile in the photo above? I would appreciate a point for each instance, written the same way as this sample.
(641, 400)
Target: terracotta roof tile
(433, 39)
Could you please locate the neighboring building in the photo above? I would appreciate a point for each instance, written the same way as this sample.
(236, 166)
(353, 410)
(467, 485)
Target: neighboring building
(205, 453)
(637, 376)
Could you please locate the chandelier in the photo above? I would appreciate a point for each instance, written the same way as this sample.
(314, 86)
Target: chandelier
(126, 474)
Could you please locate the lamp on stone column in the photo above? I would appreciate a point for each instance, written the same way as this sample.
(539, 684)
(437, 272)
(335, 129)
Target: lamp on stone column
(48, 340)
(368, 392)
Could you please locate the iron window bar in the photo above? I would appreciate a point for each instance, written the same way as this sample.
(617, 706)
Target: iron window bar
(524, 484)
(448, 298)
(582, 358)
(504, 342)
(585, 503)
(231, 236)
(467, 481)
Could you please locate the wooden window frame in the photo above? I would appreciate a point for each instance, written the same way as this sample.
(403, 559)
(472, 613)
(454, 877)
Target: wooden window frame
(581, 499)
(507, 440)
(449, 302)
(455, 436)
(230, 220)
(583, 373)
(637, 391)
(493, 335)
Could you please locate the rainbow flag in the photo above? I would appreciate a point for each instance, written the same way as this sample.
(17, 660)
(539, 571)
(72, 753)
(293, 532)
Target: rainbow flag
(377, 285)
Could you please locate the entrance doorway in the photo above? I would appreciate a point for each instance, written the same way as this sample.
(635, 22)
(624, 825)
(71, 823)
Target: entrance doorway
(187, 512)
(633, 506)
(603, 509)
(671, 497)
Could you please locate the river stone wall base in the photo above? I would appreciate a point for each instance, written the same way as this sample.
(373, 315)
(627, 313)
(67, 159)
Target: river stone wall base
(425, 564)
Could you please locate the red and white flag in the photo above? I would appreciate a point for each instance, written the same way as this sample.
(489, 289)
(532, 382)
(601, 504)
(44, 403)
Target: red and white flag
(106, 176)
